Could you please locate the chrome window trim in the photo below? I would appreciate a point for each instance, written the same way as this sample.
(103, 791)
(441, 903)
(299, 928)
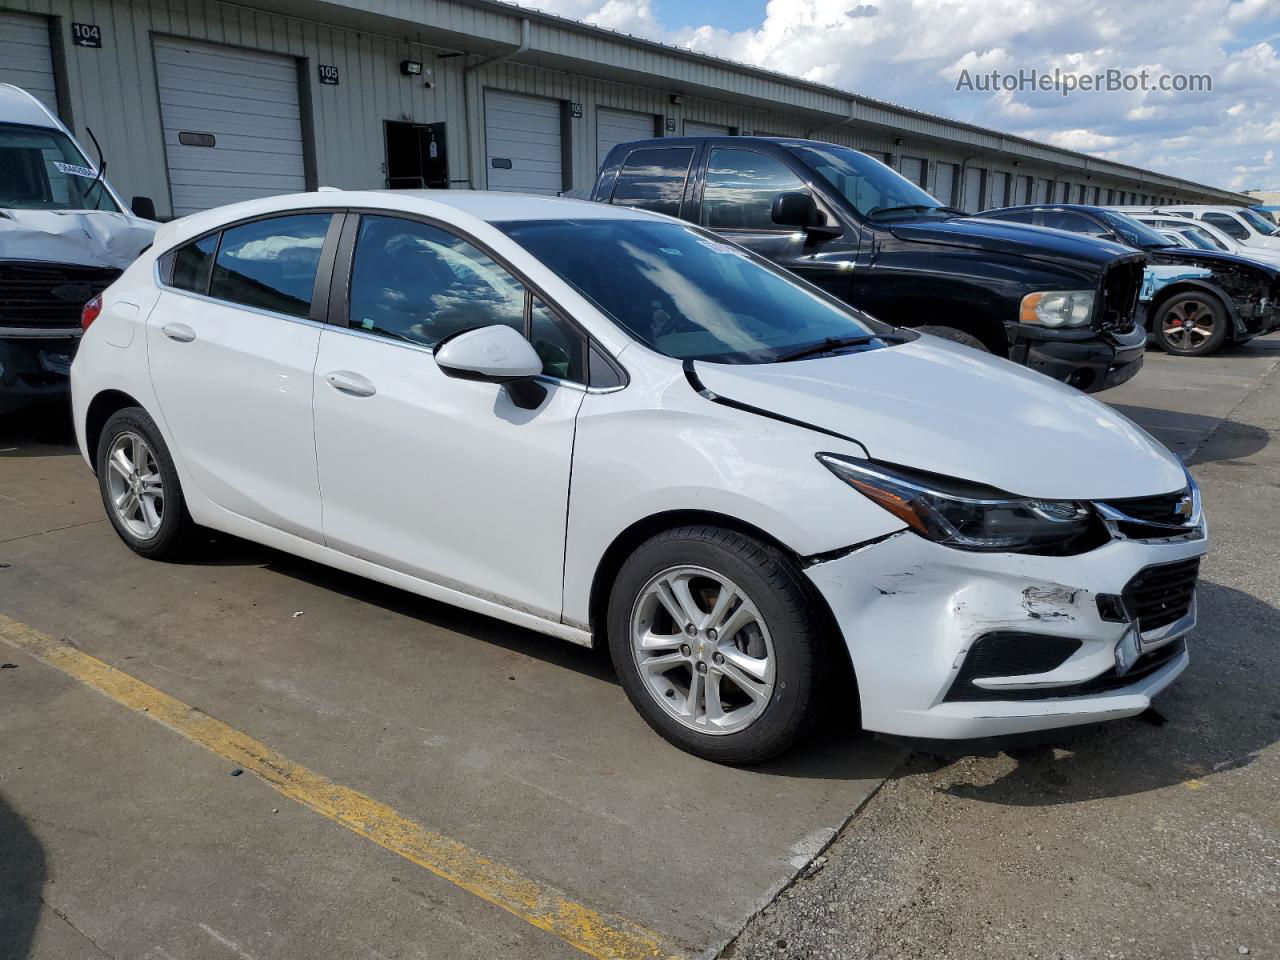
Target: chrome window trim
(203, 298)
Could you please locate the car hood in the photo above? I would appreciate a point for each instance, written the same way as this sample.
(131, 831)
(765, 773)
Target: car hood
(86, 238)
(953, 410)
(1001, 236)
(1209, 259)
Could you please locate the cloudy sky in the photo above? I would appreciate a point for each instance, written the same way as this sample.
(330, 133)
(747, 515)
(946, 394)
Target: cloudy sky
(912, 52)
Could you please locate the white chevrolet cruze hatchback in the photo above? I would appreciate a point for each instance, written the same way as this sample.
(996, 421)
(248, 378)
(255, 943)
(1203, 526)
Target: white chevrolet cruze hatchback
(614, 427)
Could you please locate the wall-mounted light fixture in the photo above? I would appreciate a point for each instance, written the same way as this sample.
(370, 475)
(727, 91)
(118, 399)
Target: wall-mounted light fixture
(411, 68)
(676, 99)
(897, 141)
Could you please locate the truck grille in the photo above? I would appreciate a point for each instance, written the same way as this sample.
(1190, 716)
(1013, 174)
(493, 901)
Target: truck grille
(1157, 596)
(48, 294)
(1121, 285)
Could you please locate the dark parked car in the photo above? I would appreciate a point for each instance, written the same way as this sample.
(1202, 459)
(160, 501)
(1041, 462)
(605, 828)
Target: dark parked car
(1064, 306)
(1223, 297)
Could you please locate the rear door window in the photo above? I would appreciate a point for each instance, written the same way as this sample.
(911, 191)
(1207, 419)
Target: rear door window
(271, 264)
(653, 179)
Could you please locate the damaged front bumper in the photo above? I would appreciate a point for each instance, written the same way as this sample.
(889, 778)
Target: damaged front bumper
(949, 644)
(34, 366)
(1084, 358)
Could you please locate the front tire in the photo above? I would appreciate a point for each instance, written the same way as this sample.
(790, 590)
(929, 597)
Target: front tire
(140, 488)
(955, 336)
(1191, 324)
(716, 640)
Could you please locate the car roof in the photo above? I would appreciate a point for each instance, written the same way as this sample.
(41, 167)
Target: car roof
(19, 106)
(464, 208)
(1073, 207)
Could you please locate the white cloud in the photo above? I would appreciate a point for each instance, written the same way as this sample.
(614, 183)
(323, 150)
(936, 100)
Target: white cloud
(911, 51)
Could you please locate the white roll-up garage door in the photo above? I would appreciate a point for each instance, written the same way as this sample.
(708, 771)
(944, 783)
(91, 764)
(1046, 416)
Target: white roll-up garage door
(522, 143)
(998, 195)
(25, 60)
(914, 168)
(619, 126)
(974, 179)
(944, 185)
(694, 129)
(232, 124)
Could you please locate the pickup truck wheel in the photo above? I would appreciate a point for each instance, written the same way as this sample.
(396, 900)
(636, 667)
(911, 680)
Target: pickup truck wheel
(956, 336)
(1191, 324)
(716, 642)
(140, 488)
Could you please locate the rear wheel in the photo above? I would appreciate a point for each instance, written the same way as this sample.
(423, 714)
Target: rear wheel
(140, 488)
(715, 639)
(956, 336)
(1191, 324)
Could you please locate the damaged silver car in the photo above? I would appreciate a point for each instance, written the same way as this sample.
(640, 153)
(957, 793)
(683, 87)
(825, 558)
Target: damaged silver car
(65, 236)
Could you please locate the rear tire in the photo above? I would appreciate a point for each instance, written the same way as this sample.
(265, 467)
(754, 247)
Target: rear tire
(956, 336)
(140, 488)
(738, 681)
(1191, 324)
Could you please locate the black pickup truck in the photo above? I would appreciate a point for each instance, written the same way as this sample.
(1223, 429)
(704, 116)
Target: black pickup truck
(1063, 305)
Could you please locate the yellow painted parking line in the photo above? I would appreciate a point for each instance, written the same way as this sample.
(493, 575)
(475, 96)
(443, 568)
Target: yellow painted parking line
(595, 934)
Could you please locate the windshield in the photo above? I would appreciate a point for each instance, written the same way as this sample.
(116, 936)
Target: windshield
(1259, 222)
(1134, 232)
(874, 190)
(41, 169)
(687, 293)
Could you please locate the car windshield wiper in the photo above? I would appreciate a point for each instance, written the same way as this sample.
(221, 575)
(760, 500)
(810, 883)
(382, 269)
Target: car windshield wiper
(837, 343)
(905, 208)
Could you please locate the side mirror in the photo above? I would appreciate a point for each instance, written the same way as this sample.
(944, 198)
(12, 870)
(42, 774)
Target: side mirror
(800, 210)
(143, 207)
(494, 354)
(795, 210)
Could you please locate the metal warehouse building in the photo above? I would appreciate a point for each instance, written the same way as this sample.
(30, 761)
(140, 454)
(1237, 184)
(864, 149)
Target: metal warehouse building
(202, 102)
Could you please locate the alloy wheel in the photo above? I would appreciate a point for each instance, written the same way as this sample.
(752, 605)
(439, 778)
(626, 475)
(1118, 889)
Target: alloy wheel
(1188, 324)
(134, 485)
(703, 650)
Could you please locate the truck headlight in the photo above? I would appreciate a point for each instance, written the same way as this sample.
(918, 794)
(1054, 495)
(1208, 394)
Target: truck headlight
(965, 515)
(1057, 308)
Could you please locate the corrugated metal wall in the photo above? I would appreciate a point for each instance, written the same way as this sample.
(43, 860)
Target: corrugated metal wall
(113, 89)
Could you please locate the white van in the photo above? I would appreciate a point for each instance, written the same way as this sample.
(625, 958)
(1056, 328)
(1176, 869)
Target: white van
(65, 235)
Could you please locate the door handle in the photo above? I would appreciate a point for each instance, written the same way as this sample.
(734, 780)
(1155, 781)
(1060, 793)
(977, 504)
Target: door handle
(179, 332)
(350, 383)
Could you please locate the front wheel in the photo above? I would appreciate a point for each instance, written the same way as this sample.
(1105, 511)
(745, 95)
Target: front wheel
(715, 639)
(1191, 324)
(955, 336)
(140, 488)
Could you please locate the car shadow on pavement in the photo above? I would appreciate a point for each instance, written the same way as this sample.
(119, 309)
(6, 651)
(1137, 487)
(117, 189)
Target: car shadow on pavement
(1185, 433)
(1218, 716)
(22, 876)
(40, 430)
(836, 749)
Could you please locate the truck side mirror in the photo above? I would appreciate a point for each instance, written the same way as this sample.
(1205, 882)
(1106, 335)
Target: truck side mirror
(800, 210)
(143, 207)
(796, 210)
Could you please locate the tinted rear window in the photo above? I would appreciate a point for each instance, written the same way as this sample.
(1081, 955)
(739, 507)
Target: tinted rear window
(271, 263)
(653, 179)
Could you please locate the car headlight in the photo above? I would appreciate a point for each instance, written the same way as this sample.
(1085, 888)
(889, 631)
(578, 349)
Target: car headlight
(966, 515)
(1057, 308)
